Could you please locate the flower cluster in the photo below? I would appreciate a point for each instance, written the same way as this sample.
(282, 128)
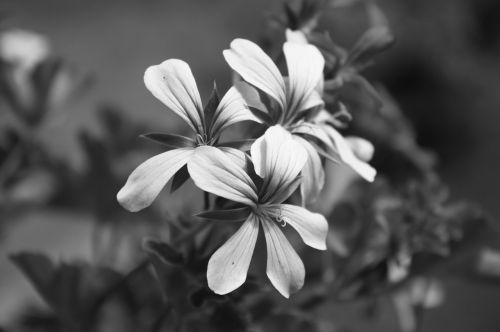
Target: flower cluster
(260, 178)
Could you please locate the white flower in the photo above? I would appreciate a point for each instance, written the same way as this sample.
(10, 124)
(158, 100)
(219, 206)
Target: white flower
(298, 99)
(173, 84)
(277, 162)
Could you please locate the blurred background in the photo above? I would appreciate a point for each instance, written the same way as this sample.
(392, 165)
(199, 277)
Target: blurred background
(444, 72)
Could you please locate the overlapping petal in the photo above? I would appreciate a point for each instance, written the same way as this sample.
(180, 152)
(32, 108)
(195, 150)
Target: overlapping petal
(147, 180)
(313, 174)
(312, 227)
(228, 266)
(346, 154)
(277, 159)
(172, 82)
(284, 267)
(232, 109)
(257, 68)
(214, 171)
(305, 70)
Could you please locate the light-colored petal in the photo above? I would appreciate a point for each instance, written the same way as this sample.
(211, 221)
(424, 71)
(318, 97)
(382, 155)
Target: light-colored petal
(284, 267)
(317, 132)
(313, 174)
(296, 36)
(172, 82)
(346, 154)
(361, 148)
(236, 155)
(232, 109)
(214, 171)
(147, 180)
(305, 70)
(312, 227)
(257, 68)
(277, 159)
(228, 266)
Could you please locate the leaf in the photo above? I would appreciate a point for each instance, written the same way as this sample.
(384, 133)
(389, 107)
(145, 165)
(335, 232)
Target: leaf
(172, 141)
(211, 106)
(71, 290)
(373, 41)
(174, 278)
(237, 214)
(163, 251)
(179, 178)
(243, 145)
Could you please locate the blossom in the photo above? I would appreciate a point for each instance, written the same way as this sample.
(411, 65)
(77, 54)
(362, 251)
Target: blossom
(277, 161)
(172, 82)
(296, 100)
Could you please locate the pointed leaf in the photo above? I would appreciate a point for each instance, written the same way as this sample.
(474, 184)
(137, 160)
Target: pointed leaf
(172, 141)
(238, 214)
(179, 178)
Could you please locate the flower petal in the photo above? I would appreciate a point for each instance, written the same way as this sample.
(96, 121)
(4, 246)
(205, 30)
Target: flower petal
(277, 159)
(147, 180)
(216, 172)
(228, 266)
(284, 267)
(172, 82)
(313, 174)
(232, 109)
(346, 154)
(312, 227)
(257, 68)
(305, 70)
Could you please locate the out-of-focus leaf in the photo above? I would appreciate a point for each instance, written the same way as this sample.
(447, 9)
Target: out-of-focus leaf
(71, 290)
(163, 251)
(373, 41)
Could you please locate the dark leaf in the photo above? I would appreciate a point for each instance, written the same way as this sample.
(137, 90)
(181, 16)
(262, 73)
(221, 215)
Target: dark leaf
(211, 107)
(243, 145)
(237, 214)
(373, 41)
(163, 251)
(172, 141)
(180, 178)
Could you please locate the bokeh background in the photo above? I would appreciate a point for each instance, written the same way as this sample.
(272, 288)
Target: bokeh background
(444, 71)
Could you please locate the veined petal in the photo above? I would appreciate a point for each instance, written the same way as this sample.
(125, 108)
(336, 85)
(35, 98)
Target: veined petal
(346, 154)
(232, 109)
(312, 227)
(313, 174)
(277, 159)
(257, 68)
(228, 266)
(172, 82)
(284, 267)
(305, 70)
(236, 155)
(214, 171)
(315, 131)
(147, 180)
